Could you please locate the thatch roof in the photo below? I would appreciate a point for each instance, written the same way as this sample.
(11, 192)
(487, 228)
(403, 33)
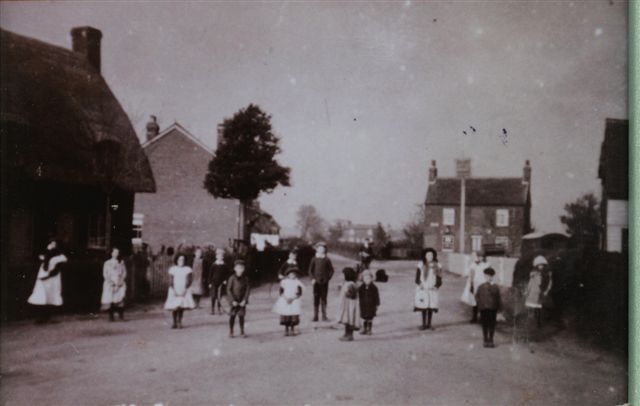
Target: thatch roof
(479, 192)
(614, 159)
(61, 121)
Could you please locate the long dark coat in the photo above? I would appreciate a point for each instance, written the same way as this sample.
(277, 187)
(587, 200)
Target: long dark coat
(369, 300)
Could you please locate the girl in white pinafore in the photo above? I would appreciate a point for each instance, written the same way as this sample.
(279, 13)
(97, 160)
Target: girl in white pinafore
(114, 287)
(289, 303)
(179, 296)
(475, 277)
(428, 281)
(47, 290)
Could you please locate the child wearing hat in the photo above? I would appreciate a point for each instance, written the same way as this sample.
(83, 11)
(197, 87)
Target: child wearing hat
(291, 262)
(538, 287)
(320, 272)
(289, 303)
(238, 294)
(488, 301)
(369, 301)
(349, 309)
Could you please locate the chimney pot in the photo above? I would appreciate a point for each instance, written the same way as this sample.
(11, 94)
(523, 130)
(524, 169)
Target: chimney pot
(433, 172)
(153, 129)
(86, 41)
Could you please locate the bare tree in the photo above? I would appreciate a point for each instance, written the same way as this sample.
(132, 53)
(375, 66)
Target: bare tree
(310, 223)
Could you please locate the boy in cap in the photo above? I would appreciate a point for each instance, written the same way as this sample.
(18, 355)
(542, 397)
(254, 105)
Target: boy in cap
(238, 292)
(488, 302)
(320, 272)
(369, 299)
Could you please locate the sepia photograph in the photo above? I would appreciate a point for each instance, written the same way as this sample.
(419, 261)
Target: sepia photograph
(315, 203)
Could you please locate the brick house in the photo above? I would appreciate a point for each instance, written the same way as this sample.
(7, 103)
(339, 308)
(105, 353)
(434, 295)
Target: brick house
(71, 165)
(357, 233)
(614, 174)
(496, 212)
(181, 211)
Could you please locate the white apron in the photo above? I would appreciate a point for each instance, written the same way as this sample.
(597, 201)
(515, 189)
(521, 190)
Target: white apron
(48, 291)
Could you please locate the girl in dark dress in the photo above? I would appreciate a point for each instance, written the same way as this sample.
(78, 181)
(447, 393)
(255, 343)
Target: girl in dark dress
(369, 301)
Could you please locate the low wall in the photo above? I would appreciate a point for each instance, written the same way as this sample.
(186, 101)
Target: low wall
(458, 263)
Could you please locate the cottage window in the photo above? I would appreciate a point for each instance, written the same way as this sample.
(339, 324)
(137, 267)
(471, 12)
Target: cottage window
(449, 217)
(476, 242)
(97, 231)
(502, 218)
(503, 241)
(138, 221)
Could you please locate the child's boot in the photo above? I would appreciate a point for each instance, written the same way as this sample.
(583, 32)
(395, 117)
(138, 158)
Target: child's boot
(324, 312)
(111, 315)
(346, 334)
(315, 313)
(363, 330)
(474, 318)
(369, 332)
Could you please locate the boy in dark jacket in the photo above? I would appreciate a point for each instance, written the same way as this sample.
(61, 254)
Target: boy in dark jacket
(369, 301)
(320, 272)
(488, 301)
(238, 293)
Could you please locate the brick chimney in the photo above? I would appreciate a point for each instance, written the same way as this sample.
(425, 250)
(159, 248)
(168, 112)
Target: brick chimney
(153, 129)
(86, 41)
(526, 173)
(433, 172)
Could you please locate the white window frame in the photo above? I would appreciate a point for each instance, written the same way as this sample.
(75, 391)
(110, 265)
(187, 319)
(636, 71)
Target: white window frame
(97, 231)
(505, 241)
(502, 218)
(476, 242)
(448, 216)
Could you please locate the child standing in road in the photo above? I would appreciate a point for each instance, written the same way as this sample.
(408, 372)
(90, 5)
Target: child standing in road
(289, 302)
(428, 281)
(238, 293)
(114, 286)
(369, 301)
(179, 297)
(218, 275)
(349, 309)
(488, 301)
(320, 272)
(538, 288)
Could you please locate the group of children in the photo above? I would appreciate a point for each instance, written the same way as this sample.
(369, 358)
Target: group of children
(359, 301)
(359, 296)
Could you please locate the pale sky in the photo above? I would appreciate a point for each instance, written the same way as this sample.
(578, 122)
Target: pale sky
(365, 94)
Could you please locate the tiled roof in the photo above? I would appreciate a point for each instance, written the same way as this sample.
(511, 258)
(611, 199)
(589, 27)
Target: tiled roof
(614, 159)
(479, 192)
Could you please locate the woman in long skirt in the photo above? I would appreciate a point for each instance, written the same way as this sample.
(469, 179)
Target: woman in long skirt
(114, 287)
(47, 291)
(179, 297)
(428, 281)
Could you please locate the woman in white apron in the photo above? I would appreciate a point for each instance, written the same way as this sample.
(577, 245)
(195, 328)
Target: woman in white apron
(47, 291)
(114, 287)
(475, 277)
(428, 281)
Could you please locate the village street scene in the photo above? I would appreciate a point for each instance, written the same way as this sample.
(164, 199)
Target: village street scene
(314, 203)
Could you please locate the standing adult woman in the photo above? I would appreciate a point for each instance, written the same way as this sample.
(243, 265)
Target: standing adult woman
(47, 291)
(179, 297)
(196, 286)
(114, 287)
(428, 281)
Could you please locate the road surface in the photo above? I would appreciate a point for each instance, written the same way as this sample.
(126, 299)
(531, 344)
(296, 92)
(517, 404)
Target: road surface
(85, 360)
